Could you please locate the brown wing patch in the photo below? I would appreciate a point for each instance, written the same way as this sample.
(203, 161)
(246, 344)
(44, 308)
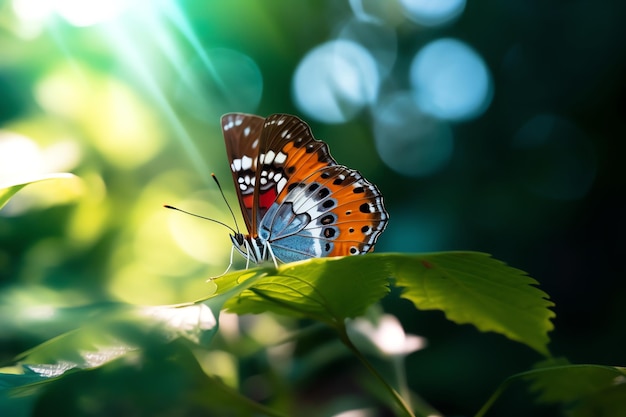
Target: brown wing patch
(242, 134)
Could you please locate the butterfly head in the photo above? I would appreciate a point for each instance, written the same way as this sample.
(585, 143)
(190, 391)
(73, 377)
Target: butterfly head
(238, 239)
(239, 243)
(253, 249)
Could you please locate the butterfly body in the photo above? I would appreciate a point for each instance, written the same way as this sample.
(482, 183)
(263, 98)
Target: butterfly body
(297, 202)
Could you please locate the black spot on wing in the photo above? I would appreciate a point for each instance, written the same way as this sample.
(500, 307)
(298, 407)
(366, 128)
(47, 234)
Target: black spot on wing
(328, 204)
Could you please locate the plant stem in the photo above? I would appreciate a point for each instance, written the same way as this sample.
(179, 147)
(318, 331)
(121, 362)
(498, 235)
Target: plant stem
(483, 410)
(398, 368)
(402, 404)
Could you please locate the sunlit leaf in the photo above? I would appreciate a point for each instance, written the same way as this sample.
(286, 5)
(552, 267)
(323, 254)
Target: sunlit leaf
(111, 332)
(8, 190)
(115, 334)
(469, 287)
(189, 321)
(162, 379)
(583, 390)
(328, 290)
(108, 335)
(104, 337)
(473, 288)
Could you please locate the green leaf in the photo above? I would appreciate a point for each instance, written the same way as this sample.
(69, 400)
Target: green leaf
(110, 336)
(105, 336)
(162, 379)
(109, 332)
(583, 390)
(469, 287)
(328, 290)
(473, 288)
(8, 190)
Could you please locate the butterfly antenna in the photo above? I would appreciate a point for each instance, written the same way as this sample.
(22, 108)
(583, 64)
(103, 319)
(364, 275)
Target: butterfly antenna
(226, 201)
(201, 217)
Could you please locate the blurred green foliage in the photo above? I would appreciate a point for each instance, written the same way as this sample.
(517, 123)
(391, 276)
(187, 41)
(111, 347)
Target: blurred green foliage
(129, 105)
(468, 287)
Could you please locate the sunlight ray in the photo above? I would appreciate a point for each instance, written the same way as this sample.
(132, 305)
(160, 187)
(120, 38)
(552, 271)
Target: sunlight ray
(179, 20)
(130, 53)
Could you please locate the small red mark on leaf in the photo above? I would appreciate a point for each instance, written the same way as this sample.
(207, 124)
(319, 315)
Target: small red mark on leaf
(427, 264)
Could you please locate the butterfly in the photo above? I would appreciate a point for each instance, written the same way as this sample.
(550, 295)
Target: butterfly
(296, 201)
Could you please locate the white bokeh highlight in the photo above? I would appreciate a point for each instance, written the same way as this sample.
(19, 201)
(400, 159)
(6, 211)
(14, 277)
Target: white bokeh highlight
(451, 81)
(431, 13)
(386, 336)
(335, 80)
(380, 40)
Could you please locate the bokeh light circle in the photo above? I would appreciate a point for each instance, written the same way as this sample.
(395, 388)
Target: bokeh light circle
(554, 158)
(376, 11)
(109, 112)
(19, 157)
(220, 81)
(450, 80)
(335, 80)
(409, 141)
(432, 13)
(380, 40)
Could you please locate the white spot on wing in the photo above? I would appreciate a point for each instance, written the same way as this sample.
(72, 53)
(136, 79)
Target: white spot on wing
(269, 157)
(246, 162)
(281, 184)
(236, 165)
(246, 131)
(280, 158)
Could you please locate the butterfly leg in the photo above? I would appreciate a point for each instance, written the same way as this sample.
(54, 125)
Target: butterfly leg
(232, 250)
(266, 249)
(248, 251)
